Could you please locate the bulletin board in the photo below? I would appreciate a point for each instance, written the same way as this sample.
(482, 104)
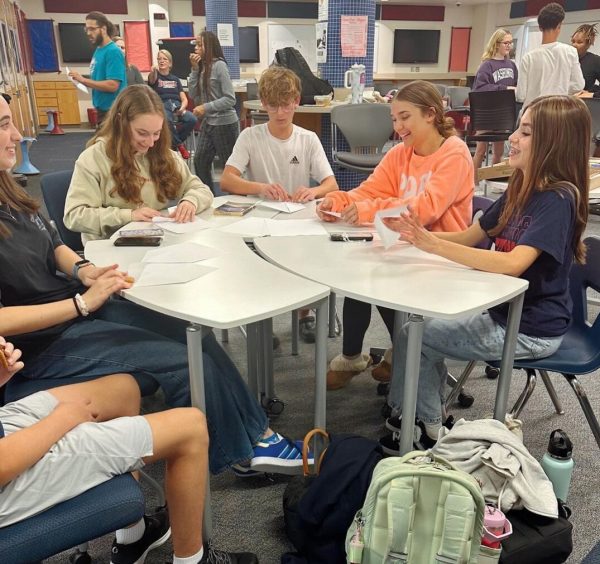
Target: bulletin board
(299, 36)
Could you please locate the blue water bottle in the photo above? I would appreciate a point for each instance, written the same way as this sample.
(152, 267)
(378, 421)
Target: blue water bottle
(558, 463)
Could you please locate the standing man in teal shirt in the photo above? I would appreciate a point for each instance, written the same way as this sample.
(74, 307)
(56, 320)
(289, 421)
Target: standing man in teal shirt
(108, 74)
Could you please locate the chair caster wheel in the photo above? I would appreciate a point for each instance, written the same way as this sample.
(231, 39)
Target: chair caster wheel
(386, 411)
(80, 558)
(273, 406)
(491, 372)
(465, 399)
(383, 388)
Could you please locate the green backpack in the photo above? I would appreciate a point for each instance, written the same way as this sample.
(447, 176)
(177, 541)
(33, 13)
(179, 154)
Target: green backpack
(419, 509)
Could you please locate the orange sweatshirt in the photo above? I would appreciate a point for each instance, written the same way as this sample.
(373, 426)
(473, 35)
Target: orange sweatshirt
(438, 187)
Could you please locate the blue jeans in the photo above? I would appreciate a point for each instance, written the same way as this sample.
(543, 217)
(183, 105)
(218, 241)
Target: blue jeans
(180, 126)
(475, 337)
(124, 337)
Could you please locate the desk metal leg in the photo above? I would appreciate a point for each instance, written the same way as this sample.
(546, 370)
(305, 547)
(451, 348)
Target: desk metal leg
(332, 332)
(508, 356)
(321, 365)
(267, 365)
(252, 358)
(194, 347)
(295, 332)
(411, 374)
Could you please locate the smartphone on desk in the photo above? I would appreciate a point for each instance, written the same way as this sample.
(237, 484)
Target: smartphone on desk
(351, 236)
(137, 241)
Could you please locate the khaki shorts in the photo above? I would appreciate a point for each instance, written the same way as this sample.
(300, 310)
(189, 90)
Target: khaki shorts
(86, 456)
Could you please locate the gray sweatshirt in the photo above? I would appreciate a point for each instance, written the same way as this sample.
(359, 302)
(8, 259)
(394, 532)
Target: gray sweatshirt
(220, 106)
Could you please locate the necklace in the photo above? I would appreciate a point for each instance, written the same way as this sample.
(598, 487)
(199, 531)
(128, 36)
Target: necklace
(5, 210)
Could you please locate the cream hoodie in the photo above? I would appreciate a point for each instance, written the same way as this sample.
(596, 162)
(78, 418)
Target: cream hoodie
(91, 209)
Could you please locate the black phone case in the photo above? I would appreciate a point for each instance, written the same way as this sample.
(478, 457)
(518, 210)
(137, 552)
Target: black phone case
(137, 242)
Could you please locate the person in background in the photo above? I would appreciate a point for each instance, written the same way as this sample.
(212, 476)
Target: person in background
(175, 101)
(583, 38)
(129, 172)
(108, 76)
(134, 76)
(59, 443)
(279, 159)
(537, 227)
(431, 171)
(211, 88)
(552, 68)
(496, 72)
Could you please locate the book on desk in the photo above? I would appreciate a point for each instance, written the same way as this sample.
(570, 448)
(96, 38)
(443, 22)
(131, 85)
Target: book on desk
(234, 208)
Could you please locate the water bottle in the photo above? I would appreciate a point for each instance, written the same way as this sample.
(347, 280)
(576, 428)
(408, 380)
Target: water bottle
(558, 464)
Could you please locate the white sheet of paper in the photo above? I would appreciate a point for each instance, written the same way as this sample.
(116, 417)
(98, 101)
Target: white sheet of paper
(81, 87)
(285, 207)
(162, 219)
(181, 253)
(293, 227)
(189, 227)
(157, 274)
(388, 237)
(334, 214)
(249, 227)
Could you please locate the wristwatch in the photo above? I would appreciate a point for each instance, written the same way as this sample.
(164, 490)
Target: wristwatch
(79, 265)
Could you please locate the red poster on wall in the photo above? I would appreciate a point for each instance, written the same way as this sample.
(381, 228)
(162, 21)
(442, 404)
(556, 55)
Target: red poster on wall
(137, 44)
(459, 49)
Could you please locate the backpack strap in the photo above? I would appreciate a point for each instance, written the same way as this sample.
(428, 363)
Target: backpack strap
(458, 515)
(401, 506)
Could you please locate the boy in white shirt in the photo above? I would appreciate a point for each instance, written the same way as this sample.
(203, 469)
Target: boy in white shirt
(552, 68)
(279, 158)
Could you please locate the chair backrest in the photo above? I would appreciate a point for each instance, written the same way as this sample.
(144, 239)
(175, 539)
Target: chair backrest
(54, 190)
(495, 110)
(252, 90)
(480, 206)
(441, 88)
(593, 105)
(584, 276)
(458, 96)
(362, 125)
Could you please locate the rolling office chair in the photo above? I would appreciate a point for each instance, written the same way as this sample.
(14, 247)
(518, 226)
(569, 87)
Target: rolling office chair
(579, 352)
(366, 128)
(54, 191)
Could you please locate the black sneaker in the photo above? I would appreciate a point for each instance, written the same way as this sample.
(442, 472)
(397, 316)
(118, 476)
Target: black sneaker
(308, 327)
(157, 533)
(213, 556)
(390, 444)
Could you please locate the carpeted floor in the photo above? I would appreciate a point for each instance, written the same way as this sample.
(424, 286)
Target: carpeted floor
(247, 513)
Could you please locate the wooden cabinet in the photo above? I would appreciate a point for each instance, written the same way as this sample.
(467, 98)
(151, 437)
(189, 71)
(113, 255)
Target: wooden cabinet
(57, 95)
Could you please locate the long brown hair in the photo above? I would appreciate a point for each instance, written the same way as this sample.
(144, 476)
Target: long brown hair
(135, 100)
(553, 164)
(427, 97)
(16, 198)
(212, 52)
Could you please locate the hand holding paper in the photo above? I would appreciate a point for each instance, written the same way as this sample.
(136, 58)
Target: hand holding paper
(74, 78)
(410, 228)
(388, 236)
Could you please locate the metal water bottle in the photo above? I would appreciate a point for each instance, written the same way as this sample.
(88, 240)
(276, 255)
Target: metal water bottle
(558, 463)
(355, 78)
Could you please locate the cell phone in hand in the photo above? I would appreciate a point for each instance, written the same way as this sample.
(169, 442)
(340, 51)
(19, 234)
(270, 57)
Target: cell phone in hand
(351, 236)
(138, 241)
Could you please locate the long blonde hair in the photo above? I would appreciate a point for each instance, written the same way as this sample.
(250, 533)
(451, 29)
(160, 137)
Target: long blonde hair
(555, 165)
(135, 100)
(492, 44)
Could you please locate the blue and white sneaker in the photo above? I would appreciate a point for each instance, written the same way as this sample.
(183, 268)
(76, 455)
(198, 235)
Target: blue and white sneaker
(279, 455)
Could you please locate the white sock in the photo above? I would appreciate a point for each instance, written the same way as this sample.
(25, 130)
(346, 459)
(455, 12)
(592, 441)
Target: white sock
(432, 430)
(131, 534)
(194, 559)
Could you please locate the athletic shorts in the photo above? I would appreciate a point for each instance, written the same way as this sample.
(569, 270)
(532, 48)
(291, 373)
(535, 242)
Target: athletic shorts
(86, 456)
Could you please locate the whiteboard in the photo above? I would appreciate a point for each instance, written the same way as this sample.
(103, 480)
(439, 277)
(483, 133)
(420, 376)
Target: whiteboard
(300, 36)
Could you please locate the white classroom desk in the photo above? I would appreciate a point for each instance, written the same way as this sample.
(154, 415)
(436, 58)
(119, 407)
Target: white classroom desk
(405, 280)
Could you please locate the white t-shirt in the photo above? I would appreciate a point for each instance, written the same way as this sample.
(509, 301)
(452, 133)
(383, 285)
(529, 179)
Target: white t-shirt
(552, 68)
(290, 162)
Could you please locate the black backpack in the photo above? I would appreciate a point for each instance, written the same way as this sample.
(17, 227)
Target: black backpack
(319, 509)
(311, 85)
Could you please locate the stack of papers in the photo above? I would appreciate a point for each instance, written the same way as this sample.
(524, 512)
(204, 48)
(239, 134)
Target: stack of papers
(285, 207)
(169, 224)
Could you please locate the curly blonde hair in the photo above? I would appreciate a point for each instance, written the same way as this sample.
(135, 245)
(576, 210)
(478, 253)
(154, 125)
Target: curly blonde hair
(135, 100)
(278, 86)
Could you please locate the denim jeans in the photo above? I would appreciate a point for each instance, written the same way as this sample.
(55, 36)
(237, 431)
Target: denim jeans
(125, 337)
(474, 337)
(180, 126)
